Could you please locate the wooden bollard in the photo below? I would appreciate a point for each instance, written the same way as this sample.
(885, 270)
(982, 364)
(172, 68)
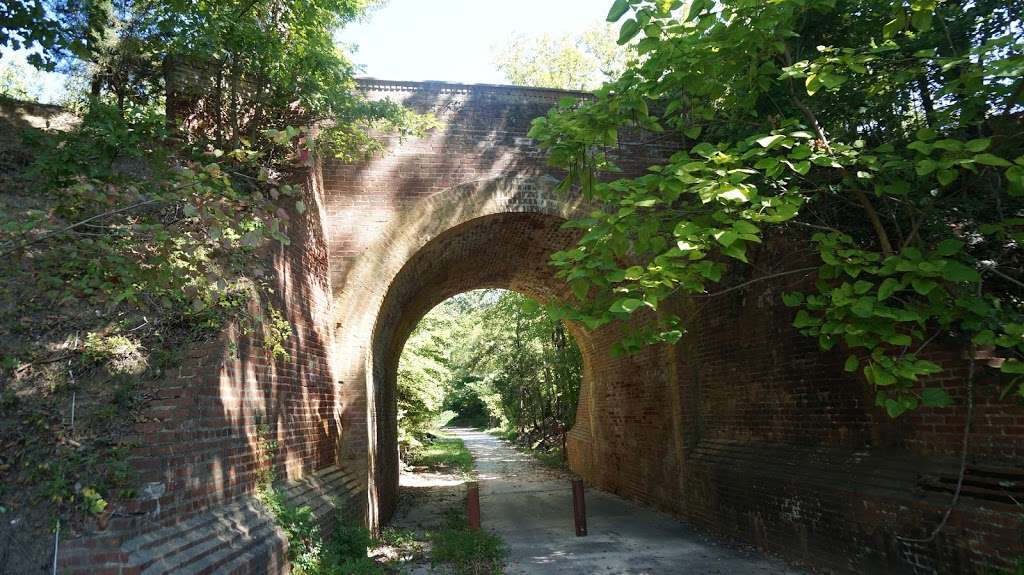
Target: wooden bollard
(579, 507)
(473, 505)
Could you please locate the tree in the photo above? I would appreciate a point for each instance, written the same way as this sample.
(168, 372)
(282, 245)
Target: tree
(135, 239)
(497, 358)
(884, 136)
(26, 23)
(569, 62)
(19, 81)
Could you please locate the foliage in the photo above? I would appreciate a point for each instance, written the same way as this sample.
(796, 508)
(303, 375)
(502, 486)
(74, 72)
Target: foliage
(276, 331)
(128, 239)
(492, 357)
(570, 62)
(883, 137)
(20, 81)
(165, 238)
(26, 22)
(120, 354)
(343, 552)
(92, 501)
(422, 376)
(467, 552)
(443, 453)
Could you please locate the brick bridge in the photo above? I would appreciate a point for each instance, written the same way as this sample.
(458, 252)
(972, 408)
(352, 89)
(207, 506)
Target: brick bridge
(744, 428)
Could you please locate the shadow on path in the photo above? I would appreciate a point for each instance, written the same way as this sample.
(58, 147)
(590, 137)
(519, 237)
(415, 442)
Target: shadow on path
(530, 506)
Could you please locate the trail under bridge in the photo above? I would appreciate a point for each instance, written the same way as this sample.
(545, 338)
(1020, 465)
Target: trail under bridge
(530, 506)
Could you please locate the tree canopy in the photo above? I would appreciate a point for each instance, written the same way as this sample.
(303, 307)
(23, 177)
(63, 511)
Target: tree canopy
(141, 229)
(491, 357)
(569, 62)
(884, 138)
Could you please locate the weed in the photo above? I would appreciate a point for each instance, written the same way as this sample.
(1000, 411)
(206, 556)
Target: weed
(444, 453)
(343, 553)
(276, 331)
(118, 353)
(467, 552)
(92, 501)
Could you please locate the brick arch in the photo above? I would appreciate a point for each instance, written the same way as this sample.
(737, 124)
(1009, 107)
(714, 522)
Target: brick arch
(496, 233)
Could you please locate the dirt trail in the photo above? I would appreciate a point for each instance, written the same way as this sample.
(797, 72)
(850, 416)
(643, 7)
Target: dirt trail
(530, 506)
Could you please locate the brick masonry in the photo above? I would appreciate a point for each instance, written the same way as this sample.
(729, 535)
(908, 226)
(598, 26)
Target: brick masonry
(199, 457)
(744, 428)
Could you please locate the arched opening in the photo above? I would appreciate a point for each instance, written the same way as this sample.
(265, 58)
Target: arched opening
(488, 359)
(498, 251)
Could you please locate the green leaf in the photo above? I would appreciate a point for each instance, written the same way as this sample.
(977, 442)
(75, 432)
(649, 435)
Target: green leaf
(812, 83)
(737, 250)
(769, 141)
(921, 20)
(978, 145)
(792, 299)
(933, 397)
(948, 247)
(693, 132)
(726, 238)
(1012, 366)
(580, 288)
(878, 375)
(895, 408)
(804, 319)
(925, 167)
(852, 363)
(617, 10)
(891, 28)
(300, 207)
(889, 286)
(946, 177)
(832, 81)
(745, 227)
(628, 31)
(626, 305)
(898, 339)
(863, 307)
(696, 7)
(991, 160)
(958, 272)
(923, 286)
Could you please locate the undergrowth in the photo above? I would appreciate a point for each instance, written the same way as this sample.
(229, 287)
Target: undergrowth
(443, 453)
(466, 552)
(344, 551)
(548, 454)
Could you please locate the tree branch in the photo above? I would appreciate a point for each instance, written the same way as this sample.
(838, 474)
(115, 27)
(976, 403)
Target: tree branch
(75, 225)
(760, 279)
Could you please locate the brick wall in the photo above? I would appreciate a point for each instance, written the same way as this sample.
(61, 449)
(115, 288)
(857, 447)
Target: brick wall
(199, 446)
(745, 428)
(748, 429)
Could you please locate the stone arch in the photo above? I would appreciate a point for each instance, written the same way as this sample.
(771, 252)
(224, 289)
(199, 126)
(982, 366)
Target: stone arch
(495, 233)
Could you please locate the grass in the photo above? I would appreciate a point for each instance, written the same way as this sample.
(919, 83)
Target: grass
(343, 552)
(453, 548)
(445, 453)
(466, 552)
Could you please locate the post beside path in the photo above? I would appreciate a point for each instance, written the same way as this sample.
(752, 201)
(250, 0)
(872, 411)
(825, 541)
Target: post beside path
(579, 507)
(473, 505)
